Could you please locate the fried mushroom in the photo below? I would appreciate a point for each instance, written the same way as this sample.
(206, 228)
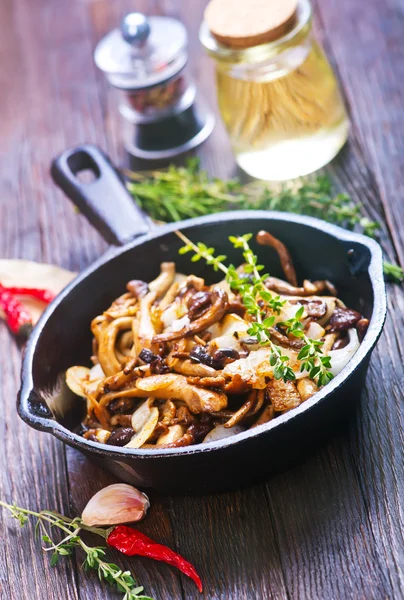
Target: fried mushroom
(211, 316)
(309, 288)
(106, 353)
(283, 394)
(176, 386)
(264, 238)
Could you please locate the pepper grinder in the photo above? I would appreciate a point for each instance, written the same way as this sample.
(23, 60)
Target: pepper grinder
(145, 61)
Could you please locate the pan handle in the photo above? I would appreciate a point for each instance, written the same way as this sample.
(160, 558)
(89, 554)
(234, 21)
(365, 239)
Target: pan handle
(104, 201)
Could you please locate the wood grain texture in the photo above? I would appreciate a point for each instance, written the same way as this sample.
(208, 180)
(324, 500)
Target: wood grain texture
(376, 439)
(331, 528)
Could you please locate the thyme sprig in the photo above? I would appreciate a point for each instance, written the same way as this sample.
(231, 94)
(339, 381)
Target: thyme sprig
(184, 192)
(311, 353)
(262, 305)
(47, 520)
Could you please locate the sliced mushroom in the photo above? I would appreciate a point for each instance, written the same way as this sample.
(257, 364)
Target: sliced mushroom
(236, 384)
(283, 394)
(316, 309)
(198, 304)
(169, 296)
(168, 412)
(218, 381)
(186, 440)
(137, 288)
(284, 340)
(97, 435)
(120, 406)
(106, 353)
(343, 319)
(184, 416)
(329, 341)
(309, 288)
(98, 325)
(192, 281)
(176, 387)
(143, 328)
(213, 314)
(264, 238)
(175, 432)
(162, 283)
(119, 380)
(243, 410)
(236, 307)
(122, 421)
(123, 306)
(267, 415)
(328, 285)
(362, 327)
(190, 368)
(259, 403)
(125, 342)
(253, 369)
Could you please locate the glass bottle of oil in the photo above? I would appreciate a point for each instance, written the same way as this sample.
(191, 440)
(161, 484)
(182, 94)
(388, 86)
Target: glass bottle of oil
(279, 100)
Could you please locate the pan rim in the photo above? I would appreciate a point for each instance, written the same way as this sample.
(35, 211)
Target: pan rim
(375, 271)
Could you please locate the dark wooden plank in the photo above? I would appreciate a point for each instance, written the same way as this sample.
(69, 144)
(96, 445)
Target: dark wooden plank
(376, 439)
(330, 528)
(232, 539)
(28, 458)
(37, 224)
(367, 44)
(159, 580)
(325, 538)
(370, 176)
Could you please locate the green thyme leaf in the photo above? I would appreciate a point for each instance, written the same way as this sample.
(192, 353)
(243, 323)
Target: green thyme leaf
(187, 191)
(262, 305)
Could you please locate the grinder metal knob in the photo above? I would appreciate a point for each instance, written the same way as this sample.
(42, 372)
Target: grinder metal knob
(135, 29)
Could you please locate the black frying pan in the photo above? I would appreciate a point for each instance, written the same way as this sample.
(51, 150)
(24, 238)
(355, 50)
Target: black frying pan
(62, 337)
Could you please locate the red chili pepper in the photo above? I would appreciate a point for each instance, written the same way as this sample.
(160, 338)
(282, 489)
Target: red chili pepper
(38, 293)
(134, 543)
(17, 316)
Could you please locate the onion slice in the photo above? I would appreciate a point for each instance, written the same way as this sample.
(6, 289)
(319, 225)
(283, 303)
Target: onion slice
(340, 358)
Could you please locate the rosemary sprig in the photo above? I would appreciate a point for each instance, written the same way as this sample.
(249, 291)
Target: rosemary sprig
(183, 192)
(393, 272)
(94, 556)
(262, 305)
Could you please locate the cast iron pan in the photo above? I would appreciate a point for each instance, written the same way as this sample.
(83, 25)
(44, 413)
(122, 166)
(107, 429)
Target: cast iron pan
(62, 337)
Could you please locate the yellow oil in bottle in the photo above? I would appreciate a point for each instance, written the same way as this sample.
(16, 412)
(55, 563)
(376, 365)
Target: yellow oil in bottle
(284, 123)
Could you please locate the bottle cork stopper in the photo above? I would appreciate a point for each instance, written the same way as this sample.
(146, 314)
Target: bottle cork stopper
(246, 23)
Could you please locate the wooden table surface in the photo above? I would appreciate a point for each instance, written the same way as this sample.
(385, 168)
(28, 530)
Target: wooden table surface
(329, 529)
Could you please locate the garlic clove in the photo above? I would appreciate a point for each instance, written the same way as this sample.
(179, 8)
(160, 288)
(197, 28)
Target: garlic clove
(116, 504)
